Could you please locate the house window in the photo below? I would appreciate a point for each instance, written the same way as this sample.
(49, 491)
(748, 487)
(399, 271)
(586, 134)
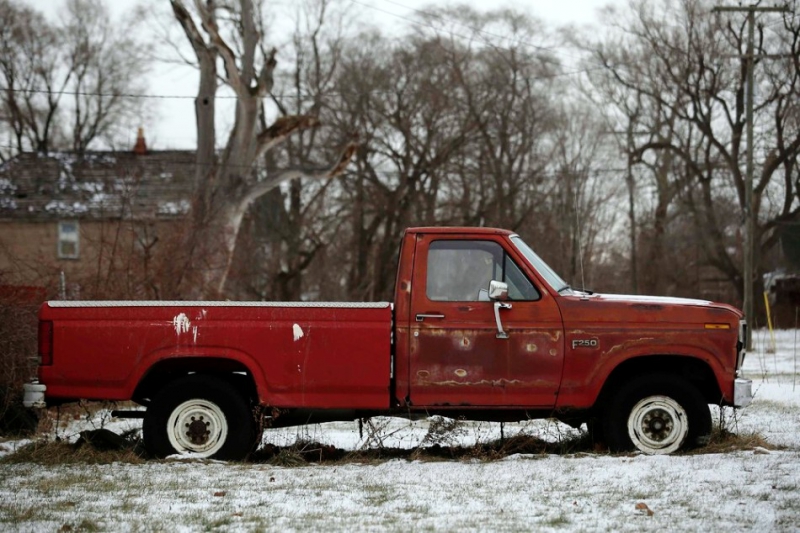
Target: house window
(68, 240)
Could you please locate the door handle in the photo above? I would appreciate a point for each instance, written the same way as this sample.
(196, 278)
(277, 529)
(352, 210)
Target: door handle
(501, 334)
(423, 316)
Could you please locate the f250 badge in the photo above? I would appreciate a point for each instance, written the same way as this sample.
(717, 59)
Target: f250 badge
(585, 343)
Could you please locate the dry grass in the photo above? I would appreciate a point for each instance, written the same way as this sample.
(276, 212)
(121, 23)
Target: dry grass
(128, 449)
(724, 441)
(47, 452)
(304, 452)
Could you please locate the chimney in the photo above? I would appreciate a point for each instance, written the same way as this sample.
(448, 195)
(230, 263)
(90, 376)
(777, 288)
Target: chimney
(141, 147)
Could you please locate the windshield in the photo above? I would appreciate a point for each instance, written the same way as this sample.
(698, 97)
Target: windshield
(553, 279)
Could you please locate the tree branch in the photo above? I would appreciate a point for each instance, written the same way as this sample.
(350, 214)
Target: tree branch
(261, 188)
(189, 28)
(233, 76)
(265, 79)
(281, 129)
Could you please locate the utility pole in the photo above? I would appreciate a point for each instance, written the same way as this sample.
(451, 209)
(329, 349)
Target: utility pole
(749, 216)
(632, 210)
(631, 185)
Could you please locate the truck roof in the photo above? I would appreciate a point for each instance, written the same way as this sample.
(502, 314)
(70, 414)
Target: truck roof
(460, 230)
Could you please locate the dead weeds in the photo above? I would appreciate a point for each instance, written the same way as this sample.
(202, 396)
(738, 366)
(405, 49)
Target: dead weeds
(724, 441)
(51, 453)
(104, 447)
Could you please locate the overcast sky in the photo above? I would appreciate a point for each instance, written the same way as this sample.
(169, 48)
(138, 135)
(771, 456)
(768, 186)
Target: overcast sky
(169, 123)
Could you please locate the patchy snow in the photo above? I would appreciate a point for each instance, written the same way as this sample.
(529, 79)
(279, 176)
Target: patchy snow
(8, 203)
(7, 186)
(174, 208)
(66, 208)
(748, 490)
(91, 187)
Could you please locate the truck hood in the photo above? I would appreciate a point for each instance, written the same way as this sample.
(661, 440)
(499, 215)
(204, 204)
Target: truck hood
(652, 299)
(655, 303)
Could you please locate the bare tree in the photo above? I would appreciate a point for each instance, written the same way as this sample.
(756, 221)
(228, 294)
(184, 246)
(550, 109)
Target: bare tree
(106, 69)
(578, 216)
(290, 225)
(226, 183)
(32, 79)
(682, 72)
(457, 130)
(401, 100)
(68, 84)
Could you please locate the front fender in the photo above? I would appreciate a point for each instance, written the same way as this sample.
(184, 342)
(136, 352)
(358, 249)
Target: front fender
(587, 370)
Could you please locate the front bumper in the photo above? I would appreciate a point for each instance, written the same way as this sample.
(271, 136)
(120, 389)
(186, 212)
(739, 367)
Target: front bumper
(742, 392)
(34, 394)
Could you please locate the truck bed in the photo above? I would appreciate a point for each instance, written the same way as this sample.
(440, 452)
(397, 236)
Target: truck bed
(318, 355)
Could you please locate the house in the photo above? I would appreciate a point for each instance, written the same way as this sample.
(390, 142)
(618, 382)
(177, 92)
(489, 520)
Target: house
(783, 284)
(88, 215)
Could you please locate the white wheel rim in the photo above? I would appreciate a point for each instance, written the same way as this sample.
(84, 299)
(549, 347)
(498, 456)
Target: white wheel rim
(197, 426)
(658, 425)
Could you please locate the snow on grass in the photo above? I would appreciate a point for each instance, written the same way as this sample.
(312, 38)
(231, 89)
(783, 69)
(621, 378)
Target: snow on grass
(754, 489)
(775, 412)
(738, 491)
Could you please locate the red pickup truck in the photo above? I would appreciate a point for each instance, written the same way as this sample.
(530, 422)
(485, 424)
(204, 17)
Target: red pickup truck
(480, 328)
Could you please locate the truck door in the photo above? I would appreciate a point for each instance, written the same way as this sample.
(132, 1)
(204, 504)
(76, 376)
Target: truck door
(457, 353)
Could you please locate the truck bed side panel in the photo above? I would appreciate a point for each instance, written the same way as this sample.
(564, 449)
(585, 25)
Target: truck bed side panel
(300, 355)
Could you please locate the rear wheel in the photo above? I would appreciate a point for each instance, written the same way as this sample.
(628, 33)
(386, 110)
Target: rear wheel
(657, 415)
(199, 415)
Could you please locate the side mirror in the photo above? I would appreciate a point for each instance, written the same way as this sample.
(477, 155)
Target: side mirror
(498, 291)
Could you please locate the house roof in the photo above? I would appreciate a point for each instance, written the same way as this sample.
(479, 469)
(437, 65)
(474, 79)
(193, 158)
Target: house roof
(97, 185)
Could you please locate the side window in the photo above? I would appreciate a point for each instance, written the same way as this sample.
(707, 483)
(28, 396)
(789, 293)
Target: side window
(519, 286)
(459, 270)
(68, 240)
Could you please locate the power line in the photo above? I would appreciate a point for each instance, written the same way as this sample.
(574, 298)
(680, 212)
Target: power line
(305, 96)
(35, 90)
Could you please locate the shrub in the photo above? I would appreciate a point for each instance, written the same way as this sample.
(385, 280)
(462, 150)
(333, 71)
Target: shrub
(18, 323)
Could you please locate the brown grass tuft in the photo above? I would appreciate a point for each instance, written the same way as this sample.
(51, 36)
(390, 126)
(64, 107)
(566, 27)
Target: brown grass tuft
(724, 441)
(50, 453)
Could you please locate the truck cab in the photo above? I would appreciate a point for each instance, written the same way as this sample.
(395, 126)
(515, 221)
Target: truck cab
(484, 324)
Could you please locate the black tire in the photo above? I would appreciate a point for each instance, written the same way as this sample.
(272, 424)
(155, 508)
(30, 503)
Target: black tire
(214, 420)
(657, 415)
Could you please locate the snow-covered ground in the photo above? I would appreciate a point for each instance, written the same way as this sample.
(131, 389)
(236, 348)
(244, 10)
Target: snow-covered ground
(755, 489)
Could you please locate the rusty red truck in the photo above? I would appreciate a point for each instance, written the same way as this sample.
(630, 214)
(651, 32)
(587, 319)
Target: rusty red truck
(480, 328)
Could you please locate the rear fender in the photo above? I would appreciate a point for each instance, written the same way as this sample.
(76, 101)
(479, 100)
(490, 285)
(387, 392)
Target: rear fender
(161, 365)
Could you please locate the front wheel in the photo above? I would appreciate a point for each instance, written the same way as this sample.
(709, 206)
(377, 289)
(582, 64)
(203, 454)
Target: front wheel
(657, 415)
(199, 415)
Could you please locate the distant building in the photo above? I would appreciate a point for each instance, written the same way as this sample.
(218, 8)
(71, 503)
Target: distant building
(783, 285)
(84, 214)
